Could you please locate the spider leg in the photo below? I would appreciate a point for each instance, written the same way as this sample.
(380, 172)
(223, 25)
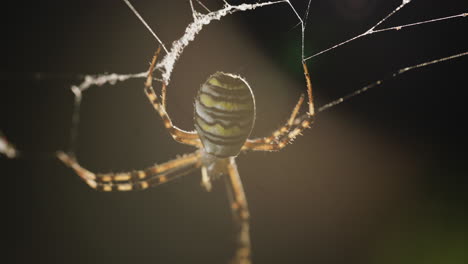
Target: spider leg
(182, 136)
(135, 180)
(279, 132)
(240, 213)
(6, 148)
(294, 127)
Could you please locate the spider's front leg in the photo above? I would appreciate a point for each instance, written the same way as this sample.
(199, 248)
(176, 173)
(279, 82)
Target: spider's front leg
(135, 180)
(240, 213)
(293, 127)
(182, 136)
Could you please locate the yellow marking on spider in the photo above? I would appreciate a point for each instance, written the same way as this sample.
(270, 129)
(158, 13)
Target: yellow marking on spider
(163, 179)
(85, 174)
(294, 133)
(106, 178)
(175, 163)
(141, 175)
(124, 187)
(166, 121)
(92, 184)
(151, 95)
(224, 105)
(218, 129)
(144, 185)
(107, 188)
(122, 177)
(216, 82)
(244, 214)
(152, 170)
(244, 253)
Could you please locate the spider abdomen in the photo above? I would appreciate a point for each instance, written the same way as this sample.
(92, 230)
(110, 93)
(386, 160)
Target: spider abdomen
(224, 114)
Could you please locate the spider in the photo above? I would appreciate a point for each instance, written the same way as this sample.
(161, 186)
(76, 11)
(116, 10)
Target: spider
(224, 117)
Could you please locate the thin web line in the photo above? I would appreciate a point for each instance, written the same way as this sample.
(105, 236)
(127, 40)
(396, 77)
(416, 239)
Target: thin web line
(421, 23)
(40, 76)
(167, 64)
(98, 80)
(145, 24)
(405, 2)
(201, 20)
(307, 13)
(302, 28)
(368, 32)
(203, 5)
(373, 31)
(381, 81)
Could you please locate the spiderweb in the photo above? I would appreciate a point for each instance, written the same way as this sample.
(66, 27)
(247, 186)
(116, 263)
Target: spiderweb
(202, 16)
(49, 188)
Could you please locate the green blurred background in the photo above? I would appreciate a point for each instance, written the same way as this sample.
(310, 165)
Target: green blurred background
(381, 178)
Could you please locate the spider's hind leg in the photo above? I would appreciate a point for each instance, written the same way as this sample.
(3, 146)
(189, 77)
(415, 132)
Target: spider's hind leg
(134, 180)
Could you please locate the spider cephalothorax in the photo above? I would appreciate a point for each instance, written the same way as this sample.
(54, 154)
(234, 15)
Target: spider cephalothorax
(224, 114)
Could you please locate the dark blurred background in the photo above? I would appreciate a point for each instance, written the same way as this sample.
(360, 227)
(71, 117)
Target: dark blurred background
(381, 178)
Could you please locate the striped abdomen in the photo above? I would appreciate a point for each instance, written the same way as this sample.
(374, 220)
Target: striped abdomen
(224, 114)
